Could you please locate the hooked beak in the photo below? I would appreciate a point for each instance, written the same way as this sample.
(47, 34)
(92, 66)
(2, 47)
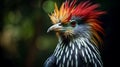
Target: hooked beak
(55, 27)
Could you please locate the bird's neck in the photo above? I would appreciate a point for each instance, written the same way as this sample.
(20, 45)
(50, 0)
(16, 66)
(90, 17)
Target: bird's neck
(74, 45)
(77, 41)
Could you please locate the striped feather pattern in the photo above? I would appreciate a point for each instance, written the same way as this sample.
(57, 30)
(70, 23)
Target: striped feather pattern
(78, 52)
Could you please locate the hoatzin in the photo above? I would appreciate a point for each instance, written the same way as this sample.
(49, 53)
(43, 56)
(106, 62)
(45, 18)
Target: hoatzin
(77, 27)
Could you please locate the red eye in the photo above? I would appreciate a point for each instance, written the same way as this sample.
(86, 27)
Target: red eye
(73, 24)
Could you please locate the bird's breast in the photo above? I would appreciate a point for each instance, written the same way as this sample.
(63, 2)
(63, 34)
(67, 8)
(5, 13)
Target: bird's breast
(76, 53)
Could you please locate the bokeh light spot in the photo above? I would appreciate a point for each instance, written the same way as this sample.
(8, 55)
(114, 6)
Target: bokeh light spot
(48, 6)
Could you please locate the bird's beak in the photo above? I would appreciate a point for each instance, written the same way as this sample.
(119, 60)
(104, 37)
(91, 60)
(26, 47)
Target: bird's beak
(55, 27)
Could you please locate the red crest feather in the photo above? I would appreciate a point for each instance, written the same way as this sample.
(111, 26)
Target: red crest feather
(85, 10)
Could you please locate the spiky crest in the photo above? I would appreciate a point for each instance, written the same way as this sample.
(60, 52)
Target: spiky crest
(85, 10)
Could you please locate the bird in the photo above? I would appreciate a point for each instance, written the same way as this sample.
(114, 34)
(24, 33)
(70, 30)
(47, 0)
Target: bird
(77, 27)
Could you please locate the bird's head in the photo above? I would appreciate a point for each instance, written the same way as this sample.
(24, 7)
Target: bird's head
(73, 20)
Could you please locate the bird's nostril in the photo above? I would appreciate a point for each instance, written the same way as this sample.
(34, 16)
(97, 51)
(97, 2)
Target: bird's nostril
(60, 24)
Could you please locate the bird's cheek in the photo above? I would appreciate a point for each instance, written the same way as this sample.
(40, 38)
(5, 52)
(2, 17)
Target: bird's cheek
(68, 33)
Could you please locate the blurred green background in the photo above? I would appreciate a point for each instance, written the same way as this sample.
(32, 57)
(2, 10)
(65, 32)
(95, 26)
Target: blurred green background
(23, 25)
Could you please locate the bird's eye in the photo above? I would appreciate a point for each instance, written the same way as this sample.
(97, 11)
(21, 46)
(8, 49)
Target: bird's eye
(73, 23)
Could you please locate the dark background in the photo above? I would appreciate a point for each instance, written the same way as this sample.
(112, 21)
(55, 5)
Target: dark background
(111, 26)
(25, 43)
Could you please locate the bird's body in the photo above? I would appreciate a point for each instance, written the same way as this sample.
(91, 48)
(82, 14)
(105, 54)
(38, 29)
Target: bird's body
(77, 33)
(78, 52)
